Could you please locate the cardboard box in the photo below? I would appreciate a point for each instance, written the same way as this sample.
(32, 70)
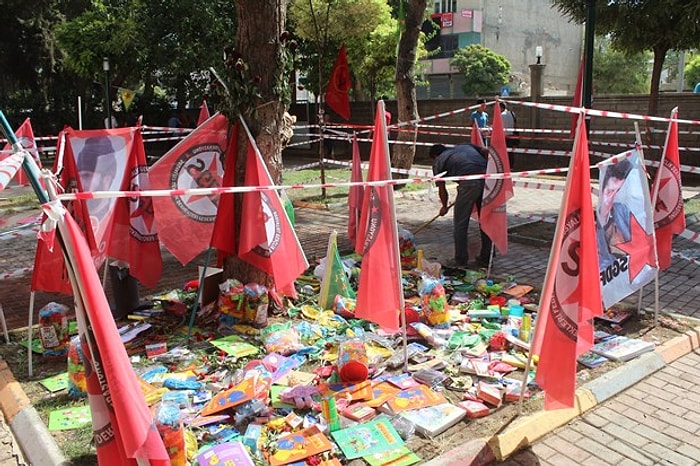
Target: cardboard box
(210, 286)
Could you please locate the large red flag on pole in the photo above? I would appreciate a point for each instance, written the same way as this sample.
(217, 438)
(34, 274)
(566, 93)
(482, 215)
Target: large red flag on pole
(195, 162)
(380, 292)
(669, 216)
(355, 193)
(493, 218)
(339, 85)
(267, 239)
(134, 238)
(571, 295)
(223, 236)
(122, 423)
(49, 272)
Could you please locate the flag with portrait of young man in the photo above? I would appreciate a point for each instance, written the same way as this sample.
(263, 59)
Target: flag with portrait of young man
(624, 227)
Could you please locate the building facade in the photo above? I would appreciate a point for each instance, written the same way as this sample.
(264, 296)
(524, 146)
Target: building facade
(517, 29)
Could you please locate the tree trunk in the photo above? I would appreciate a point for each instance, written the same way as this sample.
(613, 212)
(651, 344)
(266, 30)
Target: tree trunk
(406, 102)
(657, 67)
(261, 23)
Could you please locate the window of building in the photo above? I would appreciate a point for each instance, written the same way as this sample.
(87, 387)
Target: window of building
(445, 6)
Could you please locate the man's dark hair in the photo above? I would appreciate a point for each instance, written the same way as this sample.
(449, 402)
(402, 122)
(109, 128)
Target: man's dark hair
(618, 170)
(481, 101)
(502, 105)
(436, 150)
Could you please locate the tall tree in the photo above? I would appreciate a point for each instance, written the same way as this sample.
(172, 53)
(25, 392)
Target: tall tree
(607, 63)
(255, 84)
(484, 70)
(405, 150)
(638, 25)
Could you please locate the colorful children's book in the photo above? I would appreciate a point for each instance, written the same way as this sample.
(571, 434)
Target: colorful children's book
(237, 395)
(615, 316)
(434, 420)
(233, 345)
(381, 392)
(403, 381)
(621, 348)
(421, 396)
(296, 446)
(351, 391)
(55, 383)
(225, 453)
(474, 409)
(69, 418)
(489, 393)
(591, 359)
(399, 456)
(368, 438)
(359, 412)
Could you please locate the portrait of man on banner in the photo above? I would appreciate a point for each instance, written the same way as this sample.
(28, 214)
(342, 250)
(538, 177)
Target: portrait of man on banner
(101, 162)
(624, 229)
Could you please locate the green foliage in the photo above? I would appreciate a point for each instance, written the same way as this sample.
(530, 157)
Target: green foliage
(692, 71)
(365, 26)
(484, 70)
(607, 63)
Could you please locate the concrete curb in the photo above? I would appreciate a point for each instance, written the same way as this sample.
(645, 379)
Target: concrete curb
(525, 431)
(34, 438)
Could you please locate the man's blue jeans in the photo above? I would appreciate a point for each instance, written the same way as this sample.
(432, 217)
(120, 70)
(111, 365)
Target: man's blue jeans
(469, 194)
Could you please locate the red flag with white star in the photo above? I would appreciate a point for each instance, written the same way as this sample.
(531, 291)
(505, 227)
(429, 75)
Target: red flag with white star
(380, 292)
(195, 162)
(134, 238)
(669, 216)
(268, 240)
(625, 228)
(570, 298)
(497, 191)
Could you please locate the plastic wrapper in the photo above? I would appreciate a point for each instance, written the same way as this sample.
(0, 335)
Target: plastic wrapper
(429, 335)
(168, 422)
(432, 378)
(435, 307)
(232, 298)
(256, 305)
(282, 338)
(77, 383)
(53, 330)
(407, 249)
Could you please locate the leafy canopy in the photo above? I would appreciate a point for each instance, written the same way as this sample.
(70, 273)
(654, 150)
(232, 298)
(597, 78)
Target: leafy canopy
(484, 70)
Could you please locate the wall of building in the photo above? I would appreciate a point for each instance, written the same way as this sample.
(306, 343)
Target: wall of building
(512, 28)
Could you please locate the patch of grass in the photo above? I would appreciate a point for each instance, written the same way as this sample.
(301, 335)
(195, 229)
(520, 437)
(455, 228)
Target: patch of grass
(332, 175)
(9, 205)
(692, 206)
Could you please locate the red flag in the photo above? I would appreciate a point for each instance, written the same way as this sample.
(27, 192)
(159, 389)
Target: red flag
(122, 423)
(203, 113)
(268, 241)
(25, 137)
(493, 218)
(195, 162)
(49, 272)
(380, 292)
(134, 237)
(101, 160)
(356, 192)
(223, 235)
(578, 95)
(669, 216)
(339, 85)
(571, 296)
(476, 137)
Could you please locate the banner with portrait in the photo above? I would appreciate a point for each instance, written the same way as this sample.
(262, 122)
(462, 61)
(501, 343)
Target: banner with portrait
(624, 228)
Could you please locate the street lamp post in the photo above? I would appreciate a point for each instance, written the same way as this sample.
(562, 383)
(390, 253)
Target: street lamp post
(105, 67)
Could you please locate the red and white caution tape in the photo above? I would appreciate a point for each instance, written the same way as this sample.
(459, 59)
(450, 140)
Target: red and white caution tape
(9, 167)
(16, 273)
